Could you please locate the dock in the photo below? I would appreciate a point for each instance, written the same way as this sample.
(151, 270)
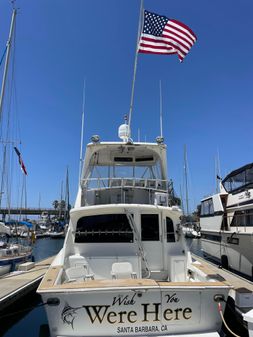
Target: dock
(16, 285)
(235, 280)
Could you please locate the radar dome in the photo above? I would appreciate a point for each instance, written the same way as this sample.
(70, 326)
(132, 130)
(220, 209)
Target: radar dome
(124, 132)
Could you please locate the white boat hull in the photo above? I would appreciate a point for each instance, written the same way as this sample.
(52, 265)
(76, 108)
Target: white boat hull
(237, 253)
(158, 310)
(5, 269)
(10, 264)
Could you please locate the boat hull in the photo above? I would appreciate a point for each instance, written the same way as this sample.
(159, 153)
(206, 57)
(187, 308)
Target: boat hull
(233, 250)
(140, 310)
(10, 264)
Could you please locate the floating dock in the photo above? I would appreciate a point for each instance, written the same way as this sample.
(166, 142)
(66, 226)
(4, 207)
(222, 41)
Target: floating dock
(15, 285)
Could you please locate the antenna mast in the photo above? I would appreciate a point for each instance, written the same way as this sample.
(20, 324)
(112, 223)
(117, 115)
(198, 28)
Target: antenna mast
(217, 173)
(161, 111)
(186, 182)
(82, 126)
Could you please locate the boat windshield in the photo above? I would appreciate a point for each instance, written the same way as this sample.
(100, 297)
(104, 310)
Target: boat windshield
(113, 174)
(126, 171)
(239, 180)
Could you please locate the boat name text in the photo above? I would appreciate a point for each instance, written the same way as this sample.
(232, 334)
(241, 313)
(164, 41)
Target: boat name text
(149, 313)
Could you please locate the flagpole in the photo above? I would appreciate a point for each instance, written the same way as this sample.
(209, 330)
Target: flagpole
(135, 66)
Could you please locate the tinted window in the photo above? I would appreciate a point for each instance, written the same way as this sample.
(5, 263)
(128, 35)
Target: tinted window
(170, 230)
(242, 218)
(103, 228)
(207, 207)
(149, 227)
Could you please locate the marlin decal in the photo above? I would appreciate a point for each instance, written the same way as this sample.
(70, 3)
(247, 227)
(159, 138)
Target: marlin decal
(68, 315)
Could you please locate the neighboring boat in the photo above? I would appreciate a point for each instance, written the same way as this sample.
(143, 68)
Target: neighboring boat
(12, 254)
(190, 230)
(56, 234)
(125, 268)
(44, 222)
(226, 222)
(57, 231)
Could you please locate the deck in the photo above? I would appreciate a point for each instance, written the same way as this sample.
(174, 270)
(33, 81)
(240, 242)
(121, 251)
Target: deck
(15, 285)
(233, 279)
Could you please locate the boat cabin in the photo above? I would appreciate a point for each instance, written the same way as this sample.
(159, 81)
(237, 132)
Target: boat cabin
(124, 173)
(233, 206)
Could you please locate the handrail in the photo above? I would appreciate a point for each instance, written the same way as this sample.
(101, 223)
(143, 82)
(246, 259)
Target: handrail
(96, 183)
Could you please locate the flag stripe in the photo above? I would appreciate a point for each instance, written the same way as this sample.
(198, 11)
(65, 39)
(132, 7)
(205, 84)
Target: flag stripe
(180, 38)
(163, 39)
(185, 28)
(150, 51)
(162, 43)
(159, 50)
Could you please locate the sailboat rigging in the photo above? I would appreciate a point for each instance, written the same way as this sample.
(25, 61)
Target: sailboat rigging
(11, 253)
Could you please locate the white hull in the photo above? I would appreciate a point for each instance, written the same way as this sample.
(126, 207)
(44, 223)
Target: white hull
(5, 269)
(57, 235)
(238, 254)
(10, 264)
(155, 309)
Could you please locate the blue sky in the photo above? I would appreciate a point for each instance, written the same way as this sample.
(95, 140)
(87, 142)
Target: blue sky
(207, 100)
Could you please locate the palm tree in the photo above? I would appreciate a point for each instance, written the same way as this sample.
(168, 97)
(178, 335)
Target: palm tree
(55, 204)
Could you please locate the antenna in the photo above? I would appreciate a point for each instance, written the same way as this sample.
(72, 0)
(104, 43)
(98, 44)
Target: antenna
(161, 111)
(82, 126)
(217, 171)
(186, 181)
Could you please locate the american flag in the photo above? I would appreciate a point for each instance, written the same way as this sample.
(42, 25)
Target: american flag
(161, 35)
(21, 163)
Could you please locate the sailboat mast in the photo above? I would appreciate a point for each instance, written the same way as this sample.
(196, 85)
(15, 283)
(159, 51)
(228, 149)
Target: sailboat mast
(8, 46)
(186, 182)
(66, 214)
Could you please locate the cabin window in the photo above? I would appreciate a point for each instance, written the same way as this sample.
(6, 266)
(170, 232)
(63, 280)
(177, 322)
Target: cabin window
(170, 230)
(243, 218)
(207, 207)
(103, 228)
(150, 227)
(239, 179)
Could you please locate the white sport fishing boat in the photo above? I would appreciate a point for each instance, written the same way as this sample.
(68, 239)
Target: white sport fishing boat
(124, 269)
(226, 222)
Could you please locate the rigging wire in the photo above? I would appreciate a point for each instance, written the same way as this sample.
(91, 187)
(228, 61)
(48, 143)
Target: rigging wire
(2, 58)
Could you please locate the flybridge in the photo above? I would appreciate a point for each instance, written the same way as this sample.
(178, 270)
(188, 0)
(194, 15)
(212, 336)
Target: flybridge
(124, 173)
